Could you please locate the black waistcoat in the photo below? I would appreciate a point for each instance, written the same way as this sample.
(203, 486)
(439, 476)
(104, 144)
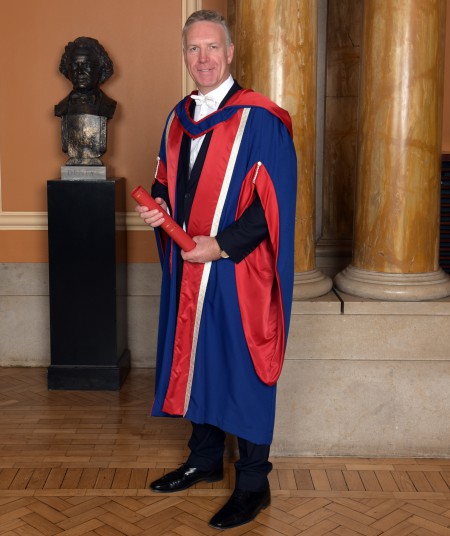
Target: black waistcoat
(187, 183)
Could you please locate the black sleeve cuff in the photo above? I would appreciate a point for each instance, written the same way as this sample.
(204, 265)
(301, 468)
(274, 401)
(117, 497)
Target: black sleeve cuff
(159, 190)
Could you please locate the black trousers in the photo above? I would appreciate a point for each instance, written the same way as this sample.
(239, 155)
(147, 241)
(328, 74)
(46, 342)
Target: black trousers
(207, 446)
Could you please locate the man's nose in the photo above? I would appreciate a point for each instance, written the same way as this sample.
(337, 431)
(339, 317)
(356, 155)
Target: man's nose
(203, 56)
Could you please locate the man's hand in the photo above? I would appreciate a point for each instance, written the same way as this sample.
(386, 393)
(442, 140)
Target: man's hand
(154, 218)
(206, 250)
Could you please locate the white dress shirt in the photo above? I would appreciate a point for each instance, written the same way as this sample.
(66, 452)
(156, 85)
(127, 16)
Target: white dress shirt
(202, 109)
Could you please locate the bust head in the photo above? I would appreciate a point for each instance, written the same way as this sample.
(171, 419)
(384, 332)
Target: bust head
(86, 64)
(86, 109)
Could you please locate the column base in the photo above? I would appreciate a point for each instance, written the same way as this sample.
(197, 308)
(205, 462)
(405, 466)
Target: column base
(393, 287)
(311, 284)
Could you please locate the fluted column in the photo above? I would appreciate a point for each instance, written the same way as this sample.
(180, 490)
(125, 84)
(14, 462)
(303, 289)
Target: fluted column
(276, 50)
(396, 234)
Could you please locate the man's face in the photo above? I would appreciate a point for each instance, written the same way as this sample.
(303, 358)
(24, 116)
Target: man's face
(207, 56)
(84, 70)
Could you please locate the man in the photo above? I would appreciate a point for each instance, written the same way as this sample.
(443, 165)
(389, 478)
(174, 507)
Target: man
(227, 173)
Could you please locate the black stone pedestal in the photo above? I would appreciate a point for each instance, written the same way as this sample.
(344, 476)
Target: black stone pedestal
(87, 275)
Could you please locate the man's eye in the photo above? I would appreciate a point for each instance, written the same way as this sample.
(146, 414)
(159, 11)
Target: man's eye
(193, 50)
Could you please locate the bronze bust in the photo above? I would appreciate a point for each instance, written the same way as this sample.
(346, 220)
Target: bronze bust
(87, 108)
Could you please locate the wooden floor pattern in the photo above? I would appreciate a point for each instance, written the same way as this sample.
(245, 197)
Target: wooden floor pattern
(78, 463)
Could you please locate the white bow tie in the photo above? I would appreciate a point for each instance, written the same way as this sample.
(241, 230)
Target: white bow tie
(204, 99)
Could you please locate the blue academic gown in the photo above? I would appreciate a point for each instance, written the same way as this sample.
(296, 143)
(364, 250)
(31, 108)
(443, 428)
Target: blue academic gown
(223, 325)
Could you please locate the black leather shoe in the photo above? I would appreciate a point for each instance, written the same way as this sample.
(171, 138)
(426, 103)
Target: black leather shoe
(242, 507)
(184, 477)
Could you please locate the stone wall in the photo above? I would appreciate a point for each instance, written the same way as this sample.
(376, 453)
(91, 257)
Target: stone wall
(365, 378)
(361, 377)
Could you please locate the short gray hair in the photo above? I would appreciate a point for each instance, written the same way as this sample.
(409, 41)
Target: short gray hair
(205, 15)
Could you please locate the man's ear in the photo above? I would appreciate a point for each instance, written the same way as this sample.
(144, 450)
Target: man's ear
(230, 53)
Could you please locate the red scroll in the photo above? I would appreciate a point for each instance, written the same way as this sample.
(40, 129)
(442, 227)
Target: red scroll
(170, 226)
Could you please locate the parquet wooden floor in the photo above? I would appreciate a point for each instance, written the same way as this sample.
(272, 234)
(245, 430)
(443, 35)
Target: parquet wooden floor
(78, 463)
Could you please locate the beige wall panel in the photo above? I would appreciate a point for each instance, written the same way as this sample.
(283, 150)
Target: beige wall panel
(404, 337)
(24, 331)
(363, 408)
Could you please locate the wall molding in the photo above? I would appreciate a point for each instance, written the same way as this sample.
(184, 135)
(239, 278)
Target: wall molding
(38, 221)
(188, 7)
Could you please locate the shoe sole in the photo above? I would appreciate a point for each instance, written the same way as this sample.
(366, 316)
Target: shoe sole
(209, 480)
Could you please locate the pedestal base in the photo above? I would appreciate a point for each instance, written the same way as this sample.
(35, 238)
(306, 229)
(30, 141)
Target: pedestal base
(393, 287)
(89, 377)
(87, 280)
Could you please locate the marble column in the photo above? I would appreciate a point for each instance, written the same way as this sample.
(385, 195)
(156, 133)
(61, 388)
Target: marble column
(276, 51)
(396, 232)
